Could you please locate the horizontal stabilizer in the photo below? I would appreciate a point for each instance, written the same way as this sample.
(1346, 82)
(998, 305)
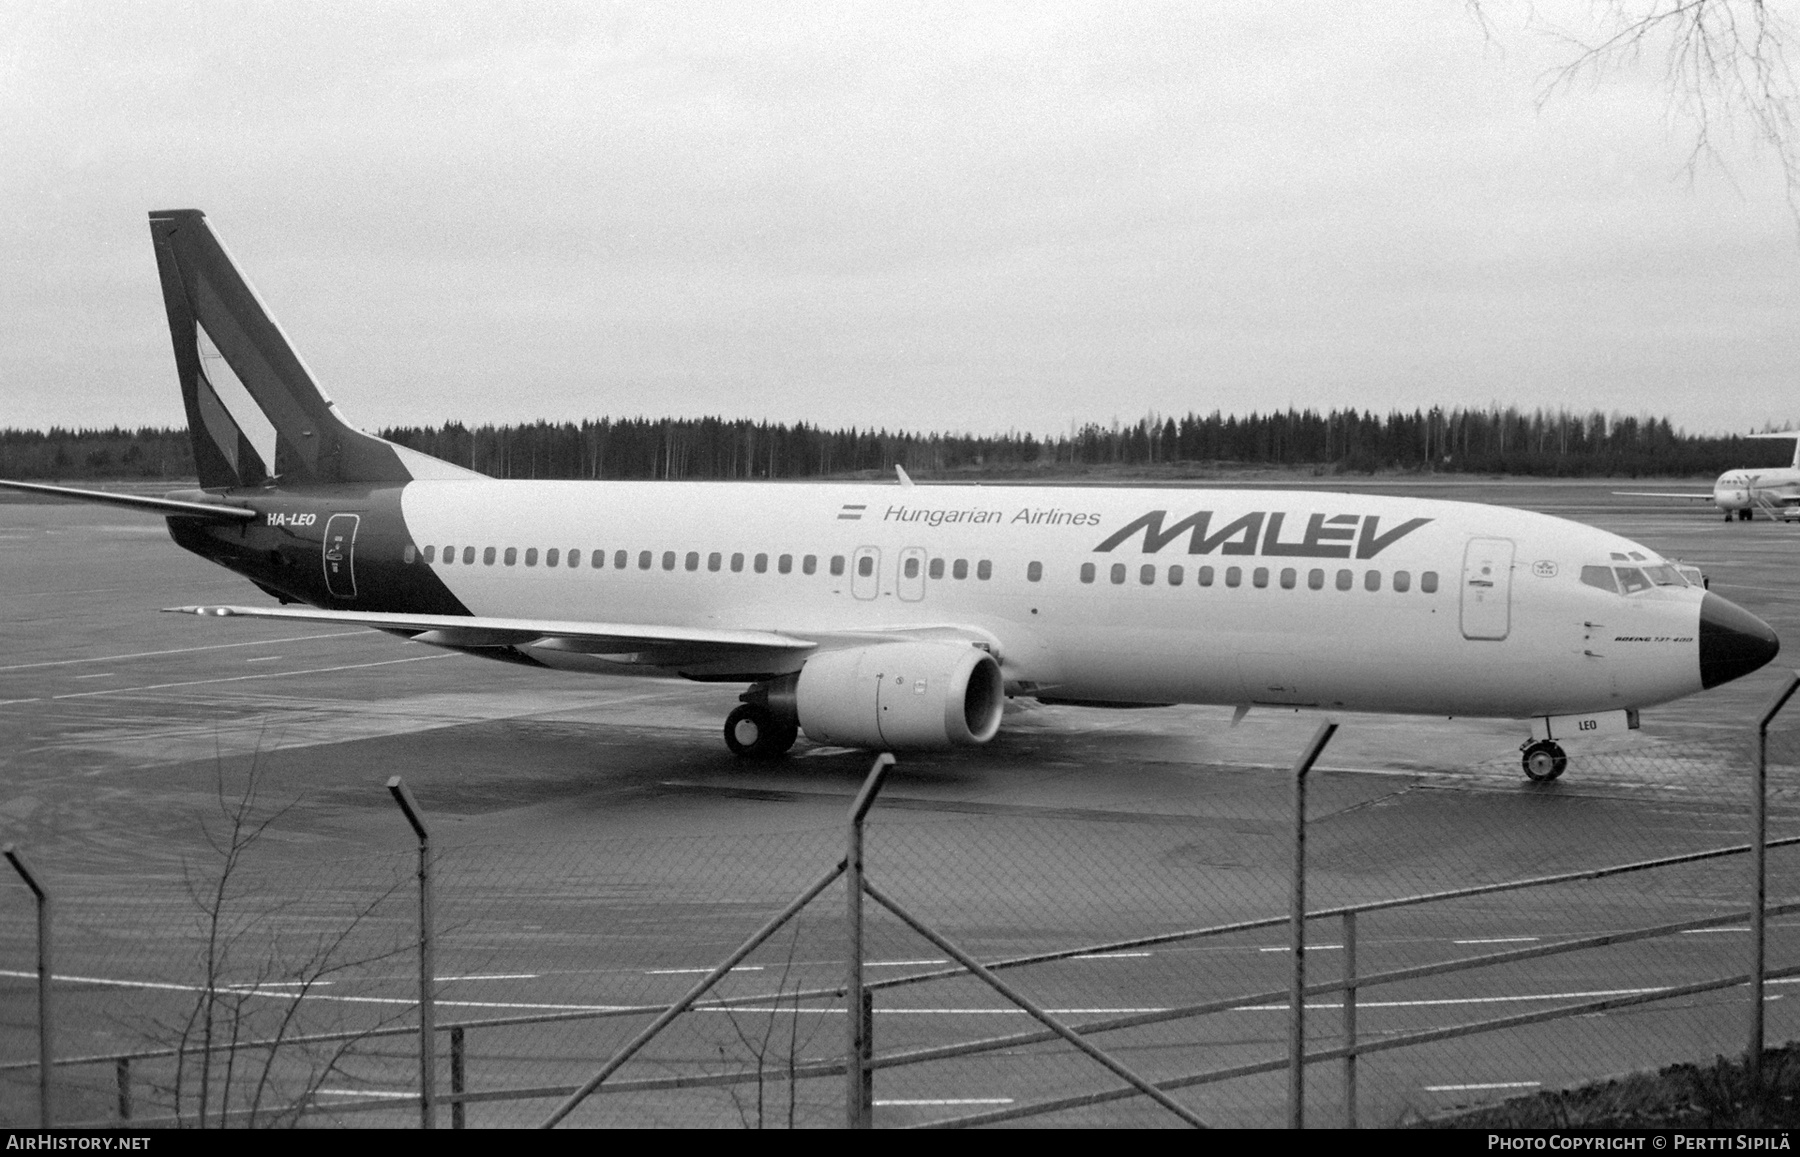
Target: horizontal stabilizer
(164, 506)
(487, 631)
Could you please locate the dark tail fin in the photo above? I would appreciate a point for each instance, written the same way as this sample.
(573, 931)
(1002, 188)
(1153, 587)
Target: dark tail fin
(254, 411)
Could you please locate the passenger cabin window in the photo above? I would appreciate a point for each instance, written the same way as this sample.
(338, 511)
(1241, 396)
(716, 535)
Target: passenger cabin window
(911, 567)
(1259, 578)
(574, 557)
(1345, 580)
(1372, 581)
(837, 565)
(619, 560)
(668, 560)
(1204, 576)
(449, 555)
(984, 570)
(960, 569)
(1600, 577)
(1118, 573)
(644, 559)
(552, 556)
(1428, 582)
(512, 556)
(1234, 576)
(1315, 579)
(737, 562)
(429, 551)
(937, 568)
(865, 566)
(408, 554)
(809, 564)
(762, 564)
(1147, 575)
(1087, 572)
(487, 557)
(599, 560)
(1175, 576)
(692, 562)
(531, 556)
(1402, 581)
(1289, 577)
(714, 561)
(469, 555)
(785, 564)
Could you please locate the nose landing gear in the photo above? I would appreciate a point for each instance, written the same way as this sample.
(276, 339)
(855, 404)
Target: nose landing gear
(1543, 760)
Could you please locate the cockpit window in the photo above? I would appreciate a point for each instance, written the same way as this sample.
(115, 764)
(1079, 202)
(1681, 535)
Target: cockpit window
(1665, 576)
(1599, 576)
(1631, 580)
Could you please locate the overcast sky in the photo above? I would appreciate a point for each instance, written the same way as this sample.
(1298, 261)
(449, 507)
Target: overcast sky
(971, 217)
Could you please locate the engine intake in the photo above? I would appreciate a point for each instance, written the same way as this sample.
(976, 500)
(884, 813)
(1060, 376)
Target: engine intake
(901, 695)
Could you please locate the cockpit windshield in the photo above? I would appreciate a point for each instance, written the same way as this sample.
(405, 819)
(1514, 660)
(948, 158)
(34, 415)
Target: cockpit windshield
(1629, 580)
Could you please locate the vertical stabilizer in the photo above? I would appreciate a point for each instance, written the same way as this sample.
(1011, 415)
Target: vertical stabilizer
(254, 412)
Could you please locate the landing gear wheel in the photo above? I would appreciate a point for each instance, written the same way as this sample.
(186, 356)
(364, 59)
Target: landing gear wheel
(753, 732)
(1543, 761)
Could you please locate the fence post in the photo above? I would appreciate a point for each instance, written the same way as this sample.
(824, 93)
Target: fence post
(46, 1025)
(427, 975)
(859, 1084)
(123, 1071)
(1759, 884)
(458, 1076)
(1350, 1020)
(1297, 933)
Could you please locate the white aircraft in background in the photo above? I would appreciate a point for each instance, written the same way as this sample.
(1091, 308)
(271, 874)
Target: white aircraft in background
(905, 617)
(1773, 490)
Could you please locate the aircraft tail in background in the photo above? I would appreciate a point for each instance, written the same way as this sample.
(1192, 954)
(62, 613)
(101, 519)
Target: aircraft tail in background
(255, 413)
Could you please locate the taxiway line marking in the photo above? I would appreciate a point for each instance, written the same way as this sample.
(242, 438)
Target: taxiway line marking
(181, 650)
(1110, 956)
(1710, 931)
(1314, 947)
(698, 971)
(950, 1101)
(1501, 940)
(379, 1094)
(901, 963)
(494, 976)
(245, 678)
(1485, 1085)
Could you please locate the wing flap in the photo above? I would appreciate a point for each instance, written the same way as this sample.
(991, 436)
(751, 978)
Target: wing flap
(488, 631)
(1661, 494)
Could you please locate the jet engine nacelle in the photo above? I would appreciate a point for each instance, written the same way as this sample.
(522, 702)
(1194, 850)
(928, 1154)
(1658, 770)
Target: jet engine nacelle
(901, 695)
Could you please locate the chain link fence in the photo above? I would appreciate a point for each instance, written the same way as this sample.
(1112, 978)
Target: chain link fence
(258, 983)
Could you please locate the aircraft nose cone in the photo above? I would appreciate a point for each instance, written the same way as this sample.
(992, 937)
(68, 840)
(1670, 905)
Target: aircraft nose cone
(1733, 642)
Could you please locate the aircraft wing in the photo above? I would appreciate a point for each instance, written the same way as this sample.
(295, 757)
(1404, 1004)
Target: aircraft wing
(488, 631)
(164, 506)
(1707, 497)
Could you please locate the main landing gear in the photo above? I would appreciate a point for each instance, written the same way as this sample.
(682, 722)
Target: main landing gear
(1543, 760)
(753, 732)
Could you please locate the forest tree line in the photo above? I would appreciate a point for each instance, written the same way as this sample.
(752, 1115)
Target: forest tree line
(1559, 443)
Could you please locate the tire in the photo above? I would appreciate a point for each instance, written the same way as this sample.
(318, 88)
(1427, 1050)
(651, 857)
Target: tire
(753, 732)
(1543, 761)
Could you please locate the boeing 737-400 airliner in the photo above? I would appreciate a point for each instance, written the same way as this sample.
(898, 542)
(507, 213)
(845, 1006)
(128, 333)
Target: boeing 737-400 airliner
(899, 616)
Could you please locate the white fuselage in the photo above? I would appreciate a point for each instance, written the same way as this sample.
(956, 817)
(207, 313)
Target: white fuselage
(1344, 601)
(1777, 488)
